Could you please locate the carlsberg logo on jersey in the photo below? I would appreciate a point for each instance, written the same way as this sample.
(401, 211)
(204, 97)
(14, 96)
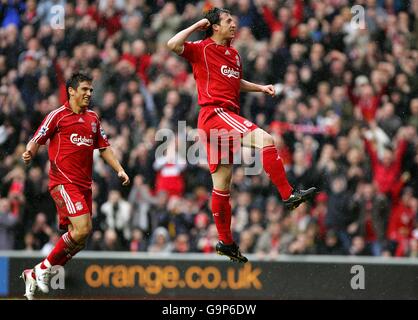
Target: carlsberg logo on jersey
(81, 141)
(229, 72)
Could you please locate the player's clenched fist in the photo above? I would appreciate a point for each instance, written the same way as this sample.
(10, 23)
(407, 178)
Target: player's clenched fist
(27, 156)
(123, 177)
(268, 89)
(203, 24)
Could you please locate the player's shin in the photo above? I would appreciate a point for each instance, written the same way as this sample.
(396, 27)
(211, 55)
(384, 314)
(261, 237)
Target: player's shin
(71, 253)
(64, 247)
(60, 254)
(273, 165)
(221, 210)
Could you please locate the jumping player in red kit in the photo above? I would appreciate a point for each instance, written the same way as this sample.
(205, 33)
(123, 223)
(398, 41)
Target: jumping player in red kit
(218, 73)
(73, 132)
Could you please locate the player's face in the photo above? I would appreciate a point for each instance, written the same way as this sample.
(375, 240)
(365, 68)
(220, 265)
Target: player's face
(227, 26)
(83, 93)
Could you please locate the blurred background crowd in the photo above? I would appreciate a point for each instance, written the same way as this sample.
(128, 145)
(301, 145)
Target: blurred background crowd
(346, 120)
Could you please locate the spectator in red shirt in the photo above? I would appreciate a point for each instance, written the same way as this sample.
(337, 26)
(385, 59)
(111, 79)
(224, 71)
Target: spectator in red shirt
(365, 99)
(169, 168)
(110, 18)
(372, 213)
(143, 59)
(319, 212)
(402, 221)
(386, 170)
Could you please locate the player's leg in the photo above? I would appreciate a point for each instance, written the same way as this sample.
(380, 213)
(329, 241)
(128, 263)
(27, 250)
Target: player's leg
(220, 132)
(270, 158)
(77, 227)
(79, 231)
(274, 168)
(222, 212)
(68, 245)
(221, 208)
(72, 210)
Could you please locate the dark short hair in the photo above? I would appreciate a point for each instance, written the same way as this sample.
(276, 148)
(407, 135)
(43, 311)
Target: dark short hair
(214, 17)
(388, 147)
(75, 81)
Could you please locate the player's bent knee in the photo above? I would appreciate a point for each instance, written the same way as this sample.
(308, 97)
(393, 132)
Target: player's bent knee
(222, 178)
(81, 233)
(222, 182)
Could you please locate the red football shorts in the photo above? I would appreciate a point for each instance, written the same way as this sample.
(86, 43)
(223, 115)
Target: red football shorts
(221, 130)
(71, 201)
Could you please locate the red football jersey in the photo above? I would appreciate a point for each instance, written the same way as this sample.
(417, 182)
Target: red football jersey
(73, 138)
(217, 70)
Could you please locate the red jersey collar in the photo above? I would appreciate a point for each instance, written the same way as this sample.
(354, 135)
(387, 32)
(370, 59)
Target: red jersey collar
(67, 105)
(228, 44)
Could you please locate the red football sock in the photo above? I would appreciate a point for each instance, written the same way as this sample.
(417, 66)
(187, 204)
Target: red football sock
(70, 254)
(273, 166)
(221, 209)
(64, 246)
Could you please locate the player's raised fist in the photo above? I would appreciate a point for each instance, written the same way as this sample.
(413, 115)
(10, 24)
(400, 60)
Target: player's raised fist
(203, 24)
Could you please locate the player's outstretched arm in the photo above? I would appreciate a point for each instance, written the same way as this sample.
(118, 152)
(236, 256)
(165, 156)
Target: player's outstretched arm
(248, 86)
(30, 152)
(109, 157)
(177, 41)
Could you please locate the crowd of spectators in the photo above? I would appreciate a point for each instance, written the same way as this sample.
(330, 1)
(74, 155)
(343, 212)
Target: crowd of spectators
(345, 120)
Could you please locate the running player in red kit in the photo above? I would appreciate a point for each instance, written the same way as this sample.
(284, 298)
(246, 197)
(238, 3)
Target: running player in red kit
(218, 73)
(74, 132)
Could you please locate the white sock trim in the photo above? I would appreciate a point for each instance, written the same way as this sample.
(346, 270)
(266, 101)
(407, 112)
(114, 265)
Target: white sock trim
(47, 263)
